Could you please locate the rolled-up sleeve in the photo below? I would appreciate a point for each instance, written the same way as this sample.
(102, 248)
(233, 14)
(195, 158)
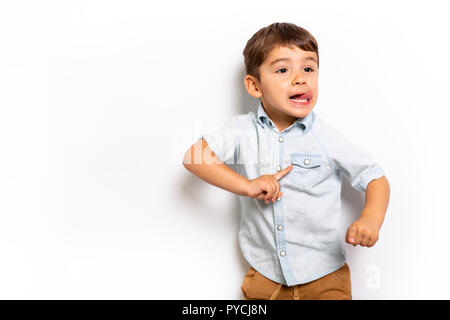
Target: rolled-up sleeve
(224, 140)
(350, 159)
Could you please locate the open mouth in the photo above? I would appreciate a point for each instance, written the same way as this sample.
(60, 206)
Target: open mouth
(301, 99)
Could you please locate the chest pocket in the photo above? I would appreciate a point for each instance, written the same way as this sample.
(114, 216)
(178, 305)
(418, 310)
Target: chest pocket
(307, 169)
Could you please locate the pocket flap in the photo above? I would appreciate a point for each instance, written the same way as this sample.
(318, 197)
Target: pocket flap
(306, 160)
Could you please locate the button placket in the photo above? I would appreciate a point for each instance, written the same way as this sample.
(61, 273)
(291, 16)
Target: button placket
(280, 240)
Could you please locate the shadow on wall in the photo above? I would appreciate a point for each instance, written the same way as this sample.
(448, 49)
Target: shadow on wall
(244, 104)
(352, 203)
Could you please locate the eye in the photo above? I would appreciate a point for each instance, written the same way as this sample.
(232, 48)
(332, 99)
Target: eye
(281, 69)
(309, 68)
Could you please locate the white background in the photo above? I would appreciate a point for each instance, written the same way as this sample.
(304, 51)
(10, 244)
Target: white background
(100, 99)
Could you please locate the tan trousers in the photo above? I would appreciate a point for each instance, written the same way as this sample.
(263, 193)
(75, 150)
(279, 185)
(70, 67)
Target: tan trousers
(333, 286)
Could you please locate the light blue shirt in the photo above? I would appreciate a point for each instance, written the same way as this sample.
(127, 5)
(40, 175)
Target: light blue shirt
(296, 239)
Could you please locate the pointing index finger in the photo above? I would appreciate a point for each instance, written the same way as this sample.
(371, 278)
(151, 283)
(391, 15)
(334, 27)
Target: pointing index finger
(280, 174)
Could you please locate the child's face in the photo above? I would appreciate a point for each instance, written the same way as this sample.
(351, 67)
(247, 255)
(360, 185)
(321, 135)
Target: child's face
(283, 79)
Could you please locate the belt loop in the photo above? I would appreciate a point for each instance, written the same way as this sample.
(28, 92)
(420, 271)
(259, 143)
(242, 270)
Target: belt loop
(275, 293)
(296, 295)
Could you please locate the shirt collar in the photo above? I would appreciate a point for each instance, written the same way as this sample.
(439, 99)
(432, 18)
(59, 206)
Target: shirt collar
(304, 123)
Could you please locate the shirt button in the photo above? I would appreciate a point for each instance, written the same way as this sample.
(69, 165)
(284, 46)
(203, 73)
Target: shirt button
(306, 161)
(278, 168)
(280, 227)
(279, 199)
(281, 139)
(282, 253)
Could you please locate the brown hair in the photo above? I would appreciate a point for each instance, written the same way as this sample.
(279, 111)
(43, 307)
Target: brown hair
(272, 36)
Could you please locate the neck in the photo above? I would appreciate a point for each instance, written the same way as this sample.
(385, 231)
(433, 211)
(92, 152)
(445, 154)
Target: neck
(280, 119)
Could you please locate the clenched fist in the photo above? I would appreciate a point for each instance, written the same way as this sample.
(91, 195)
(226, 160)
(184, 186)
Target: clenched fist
(267, 186)
(363, 231)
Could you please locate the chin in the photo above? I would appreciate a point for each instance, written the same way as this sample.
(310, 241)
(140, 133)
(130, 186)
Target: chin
(302, 113)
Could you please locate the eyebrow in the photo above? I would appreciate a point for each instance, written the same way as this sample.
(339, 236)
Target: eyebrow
(288, 59)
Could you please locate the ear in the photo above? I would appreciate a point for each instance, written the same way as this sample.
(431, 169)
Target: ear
(252, 86)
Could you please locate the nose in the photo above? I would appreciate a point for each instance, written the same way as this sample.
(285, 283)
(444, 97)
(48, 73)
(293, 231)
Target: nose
(298, 79)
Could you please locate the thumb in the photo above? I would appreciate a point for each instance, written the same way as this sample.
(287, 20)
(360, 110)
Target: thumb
(351, 234)
(280, 174)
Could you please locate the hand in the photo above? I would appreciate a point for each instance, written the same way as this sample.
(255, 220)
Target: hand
(363, 231)
(267, 186)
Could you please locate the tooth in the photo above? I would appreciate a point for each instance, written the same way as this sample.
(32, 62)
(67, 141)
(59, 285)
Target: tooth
(303, 100)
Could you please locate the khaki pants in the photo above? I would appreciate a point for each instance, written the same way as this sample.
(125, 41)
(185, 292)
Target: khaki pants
(333, 286)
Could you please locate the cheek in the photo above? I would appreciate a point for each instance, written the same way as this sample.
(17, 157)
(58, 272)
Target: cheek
(315, 90)
(278, 89)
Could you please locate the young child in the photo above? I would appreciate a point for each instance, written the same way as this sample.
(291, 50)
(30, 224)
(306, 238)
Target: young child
(288, 164)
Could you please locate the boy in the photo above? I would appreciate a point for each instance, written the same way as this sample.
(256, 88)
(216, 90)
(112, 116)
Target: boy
(288, 169)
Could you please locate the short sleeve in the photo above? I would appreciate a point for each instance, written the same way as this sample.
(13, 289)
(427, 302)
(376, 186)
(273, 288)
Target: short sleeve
(224, 140)
(350, 159)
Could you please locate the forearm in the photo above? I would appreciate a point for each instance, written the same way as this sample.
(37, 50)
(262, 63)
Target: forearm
(377, 199)
(201, 161)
